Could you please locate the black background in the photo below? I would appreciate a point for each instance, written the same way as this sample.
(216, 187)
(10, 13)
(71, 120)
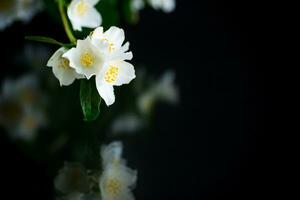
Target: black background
(213, 145)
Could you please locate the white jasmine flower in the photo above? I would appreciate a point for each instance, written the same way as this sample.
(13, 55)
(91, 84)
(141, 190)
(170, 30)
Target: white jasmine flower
(28, 8)
(8, 12)
(162, 90)
(137, 5)
(127, 123)
(117, 180)
(86, 59)
(61, 68)
(72, 178)
(82, 13)
(116, 71)
(110, 40)
(165, 5)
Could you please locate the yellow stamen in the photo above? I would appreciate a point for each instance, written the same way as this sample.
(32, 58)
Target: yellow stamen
(111, 74)
(111, 46)
(113, 187)
(87, 60)
(81, 8)
(64, 63)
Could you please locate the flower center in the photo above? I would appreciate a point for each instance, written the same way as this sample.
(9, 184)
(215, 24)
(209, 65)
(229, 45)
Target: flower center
(87, 60)
(113, 187)
(111, 74)
(111, 46)
(81, 8)
(64, 63)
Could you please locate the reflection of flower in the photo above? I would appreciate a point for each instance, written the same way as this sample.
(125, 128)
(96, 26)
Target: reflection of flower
(127, 123)
(21, 107)
(24, 10)
(165, 5)
(82, 13)
(72, 178)
(61, 68)
(117, 180)
(162, 90)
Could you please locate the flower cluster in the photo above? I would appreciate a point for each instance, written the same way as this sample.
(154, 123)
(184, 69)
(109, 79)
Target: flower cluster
(101, 54)
(12, 10)
(115, 182)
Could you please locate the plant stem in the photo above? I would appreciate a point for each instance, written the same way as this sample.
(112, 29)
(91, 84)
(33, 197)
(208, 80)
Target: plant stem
(65, 21)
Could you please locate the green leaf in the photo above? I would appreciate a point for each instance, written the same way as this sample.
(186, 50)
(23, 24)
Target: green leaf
(47, 40)
(90, 100)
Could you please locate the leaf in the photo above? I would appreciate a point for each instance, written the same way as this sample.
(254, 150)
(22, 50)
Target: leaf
(47, 40)
(90, 100)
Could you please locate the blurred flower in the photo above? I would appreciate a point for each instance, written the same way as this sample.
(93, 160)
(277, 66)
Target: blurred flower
(164, 5)
(111, 153)
(163, 90)
(22, 107)
(127, 123)
(117, 180)
(85, 58)
(24, 10)
(137, 5)
(82, 13)
(28, 8)
(8, 12)
(61, 68)
(72, 179)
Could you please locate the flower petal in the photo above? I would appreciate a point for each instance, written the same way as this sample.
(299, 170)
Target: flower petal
(126, 73)
(106, 91)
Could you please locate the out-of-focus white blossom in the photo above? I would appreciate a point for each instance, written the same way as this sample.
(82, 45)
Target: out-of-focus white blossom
(28, 8)
(117, 180)
(72, 179)
(111, 153)
(22, 107)
(127, 123)
(23, 10)
(8, 12)
(61, 68)
(164, 5)
(137, 5)
(162, 90)
(82, 13)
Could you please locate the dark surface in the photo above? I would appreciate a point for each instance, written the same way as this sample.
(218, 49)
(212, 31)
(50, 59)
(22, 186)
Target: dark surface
(210, 147)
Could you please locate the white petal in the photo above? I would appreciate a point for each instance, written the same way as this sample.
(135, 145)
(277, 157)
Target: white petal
(126, 73)
(116, 36)
(106, 91)
(92, 2)
(111, 153)
(74, 56)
